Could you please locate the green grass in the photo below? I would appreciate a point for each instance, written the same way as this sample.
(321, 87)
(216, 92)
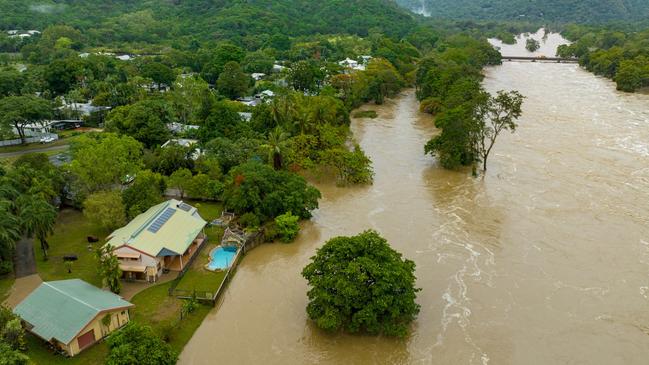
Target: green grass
(40, 354)
(5, 286)
(7, 161)
(200, 279)
(70, 234)
(155, 308)
(208, 210)
(365, 114)
(35, 146)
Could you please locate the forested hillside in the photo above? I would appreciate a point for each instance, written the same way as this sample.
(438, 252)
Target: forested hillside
(151, 20)
(582, 11)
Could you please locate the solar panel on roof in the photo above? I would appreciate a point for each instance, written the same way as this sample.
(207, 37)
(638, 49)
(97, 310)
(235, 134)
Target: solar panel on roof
(161, 220)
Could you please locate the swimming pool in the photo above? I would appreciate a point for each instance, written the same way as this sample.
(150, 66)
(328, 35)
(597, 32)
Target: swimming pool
(221, 257)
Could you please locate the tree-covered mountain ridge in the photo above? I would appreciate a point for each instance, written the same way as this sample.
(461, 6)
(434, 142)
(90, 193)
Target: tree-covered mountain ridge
(210, 18)
(581, 11)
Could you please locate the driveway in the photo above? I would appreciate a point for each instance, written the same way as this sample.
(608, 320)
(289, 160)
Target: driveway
(22, 288)
(24, 259)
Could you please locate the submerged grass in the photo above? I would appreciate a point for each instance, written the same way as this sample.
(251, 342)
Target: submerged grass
(365, 114)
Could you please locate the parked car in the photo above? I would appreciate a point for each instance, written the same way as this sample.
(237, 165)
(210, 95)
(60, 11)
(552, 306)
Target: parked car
(47, 139)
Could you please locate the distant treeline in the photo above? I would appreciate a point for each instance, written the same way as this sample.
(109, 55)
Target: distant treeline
(619, 54)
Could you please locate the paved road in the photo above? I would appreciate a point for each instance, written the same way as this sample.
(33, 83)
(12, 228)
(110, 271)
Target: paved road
(35, 150)
(24, 260)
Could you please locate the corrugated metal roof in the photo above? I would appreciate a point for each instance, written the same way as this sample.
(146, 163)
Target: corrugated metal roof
(60, 309)
(159, 230)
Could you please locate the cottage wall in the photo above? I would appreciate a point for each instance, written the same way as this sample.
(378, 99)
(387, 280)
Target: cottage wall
(119, 318)
(144, 260)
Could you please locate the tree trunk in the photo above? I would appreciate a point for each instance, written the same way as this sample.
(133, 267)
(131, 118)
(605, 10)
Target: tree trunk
(277, 161)
(21, 133)
(44, 247)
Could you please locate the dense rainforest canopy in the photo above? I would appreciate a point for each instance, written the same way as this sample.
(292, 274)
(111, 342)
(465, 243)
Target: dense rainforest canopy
(581, 11)
(152, 20)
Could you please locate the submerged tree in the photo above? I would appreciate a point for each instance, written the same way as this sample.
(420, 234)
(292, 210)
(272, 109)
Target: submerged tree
(469, 131)
(361, 284)
(532, 45)
(495, 115)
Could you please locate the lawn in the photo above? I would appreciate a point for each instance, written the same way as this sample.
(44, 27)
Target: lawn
(70, 237)
(154, 307)
(11, 159)
(5, 286)
(200, 279)
(208, 210)
(40, 354)
(35, 146)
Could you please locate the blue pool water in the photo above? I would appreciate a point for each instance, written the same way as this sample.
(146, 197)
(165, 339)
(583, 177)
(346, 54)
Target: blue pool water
(221, 258)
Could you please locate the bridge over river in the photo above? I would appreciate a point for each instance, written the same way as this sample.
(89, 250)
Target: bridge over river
(540, 59)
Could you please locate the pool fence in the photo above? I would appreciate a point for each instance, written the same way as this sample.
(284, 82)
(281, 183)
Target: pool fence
(252, 240)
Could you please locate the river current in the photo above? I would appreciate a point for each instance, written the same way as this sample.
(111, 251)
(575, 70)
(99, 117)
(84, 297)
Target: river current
(544, 260)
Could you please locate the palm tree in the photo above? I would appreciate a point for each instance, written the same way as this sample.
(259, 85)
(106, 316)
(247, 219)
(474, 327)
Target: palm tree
(8, 193)
(303, 119)
(9, 227)
(283, 109)
(38, 218)
(275, 144)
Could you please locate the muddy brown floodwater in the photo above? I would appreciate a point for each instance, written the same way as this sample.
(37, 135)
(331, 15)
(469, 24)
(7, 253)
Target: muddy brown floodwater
(545, 260)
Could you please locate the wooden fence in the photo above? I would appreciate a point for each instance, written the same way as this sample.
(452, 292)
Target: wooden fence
(251, 242)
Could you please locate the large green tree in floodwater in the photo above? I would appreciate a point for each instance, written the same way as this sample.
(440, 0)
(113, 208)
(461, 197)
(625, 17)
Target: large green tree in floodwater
(494, 115)
(470, 130)
(361, 284)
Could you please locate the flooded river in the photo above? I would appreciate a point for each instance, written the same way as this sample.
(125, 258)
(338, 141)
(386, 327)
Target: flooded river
(545, 260)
